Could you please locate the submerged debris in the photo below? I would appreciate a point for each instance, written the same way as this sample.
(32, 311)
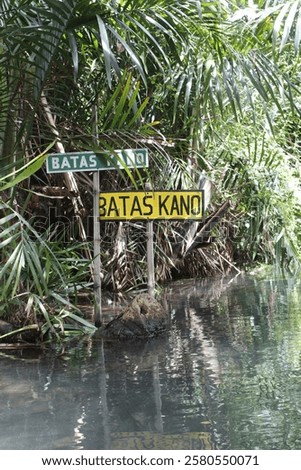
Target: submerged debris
(143, 318)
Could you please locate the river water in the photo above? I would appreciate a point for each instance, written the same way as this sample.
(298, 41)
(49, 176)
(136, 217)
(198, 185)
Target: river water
(226, 375)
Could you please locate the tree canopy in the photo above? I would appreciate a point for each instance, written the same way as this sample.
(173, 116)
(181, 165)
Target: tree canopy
(212, 88)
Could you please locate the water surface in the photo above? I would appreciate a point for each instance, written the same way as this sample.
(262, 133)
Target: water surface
(225, 376)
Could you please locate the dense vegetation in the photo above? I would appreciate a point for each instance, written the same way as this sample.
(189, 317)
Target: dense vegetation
(211, 88)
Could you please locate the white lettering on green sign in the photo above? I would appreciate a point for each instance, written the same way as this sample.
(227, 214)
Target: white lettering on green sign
(90, 161)
(74, 161)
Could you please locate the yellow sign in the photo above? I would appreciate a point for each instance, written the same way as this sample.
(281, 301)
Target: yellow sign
(151, 205)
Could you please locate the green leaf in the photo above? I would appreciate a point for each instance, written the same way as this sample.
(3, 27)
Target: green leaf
(289, 23)
(298, 32)
(278, 22)
(132, 106)
(110, 60)
(74, 53)
(190, 77)
(6, 232)
(82, 321)
(7, 218)
(153, 40)
(20, 330)
(138, 113)
(122, 102)
(177, 95)
(134, 57)
(109, 106)
(26, 171)
(8, 240)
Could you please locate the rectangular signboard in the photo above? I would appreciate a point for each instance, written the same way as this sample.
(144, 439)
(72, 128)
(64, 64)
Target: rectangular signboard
(151, 205)
(92, 161)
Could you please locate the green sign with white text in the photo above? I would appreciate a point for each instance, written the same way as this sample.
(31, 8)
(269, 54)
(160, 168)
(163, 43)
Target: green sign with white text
(91, 161)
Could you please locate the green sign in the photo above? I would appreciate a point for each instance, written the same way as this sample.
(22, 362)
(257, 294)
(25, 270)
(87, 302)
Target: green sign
(91, 161)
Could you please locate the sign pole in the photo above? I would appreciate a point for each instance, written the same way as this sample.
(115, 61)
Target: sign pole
(150, 251)
(96, 241)
(96, 247)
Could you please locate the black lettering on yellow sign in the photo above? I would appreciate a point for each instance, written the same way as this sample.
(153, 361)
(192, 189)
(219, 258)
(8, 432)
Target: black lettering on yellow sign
(136, 209)
(140, 205)
(148, 207)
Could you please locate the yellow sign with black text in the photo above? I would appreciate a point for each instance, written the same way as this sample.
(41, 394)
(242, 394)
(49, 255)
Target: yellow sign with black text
(151, 205)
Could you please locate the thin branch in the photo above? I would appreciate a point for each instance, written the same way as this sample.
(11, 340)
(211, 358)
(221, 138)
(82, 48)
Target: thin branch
(69, 178)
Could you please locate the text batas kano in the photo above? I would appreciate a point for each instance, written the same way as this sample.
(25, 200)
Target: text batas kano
(89, 161)
(151, 205)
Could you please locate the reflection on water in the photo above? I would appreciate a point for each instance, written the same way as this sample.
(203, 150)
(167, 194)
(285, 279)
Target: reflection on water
(226, 376)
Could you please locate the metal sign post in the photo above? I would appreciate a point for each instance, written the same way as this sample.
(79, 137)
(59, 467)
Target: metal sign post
(151, 281)
(96, 246)
(96, 228)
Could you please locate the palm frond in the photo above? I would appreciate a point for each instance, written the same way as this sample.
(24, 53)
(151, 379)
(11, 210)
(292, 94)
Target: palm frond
(281, 20)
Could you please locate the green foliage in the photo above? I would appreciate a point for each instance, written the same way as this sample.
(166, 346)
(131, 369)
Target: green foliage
(38, 278)
(279, 22)
(207, 85)
(262, 182)
(30, 33)
(24, 172)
